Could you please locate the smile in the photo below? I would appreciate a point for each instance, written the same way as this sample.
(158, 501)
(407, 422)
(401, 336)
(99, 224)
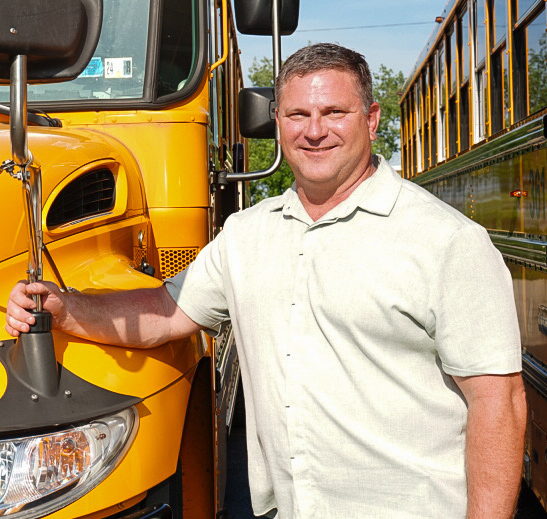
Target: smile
(319, 150)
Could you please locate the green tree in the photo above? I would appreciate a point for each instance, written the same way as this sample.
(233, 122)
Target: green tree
(537, 75)
(262, 151)
(387, 85)
(261, 73)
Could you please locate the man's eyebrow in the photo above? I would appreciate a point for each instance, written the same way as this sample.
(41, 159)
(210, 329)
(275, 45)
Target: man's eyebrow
(295, 108)
(336, 106)
(331, 106)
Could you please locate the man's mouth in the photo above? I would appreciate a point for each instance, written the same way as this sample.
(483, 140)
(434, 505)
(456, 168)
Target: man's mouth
(319, 150)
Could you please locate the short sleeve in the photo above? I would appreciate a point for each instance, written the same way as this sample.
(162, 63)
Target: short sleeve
(473, 315)
(199, 290)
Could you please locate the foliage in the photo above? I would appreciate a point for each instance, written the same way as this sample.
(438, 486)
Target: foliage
(262, 151)
(261, 156)
(261, 73)
(387, 85)
(537, 75)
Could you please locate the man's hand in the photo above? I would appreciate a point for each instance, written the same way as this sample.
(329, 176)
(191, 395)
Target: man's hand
(18, 317)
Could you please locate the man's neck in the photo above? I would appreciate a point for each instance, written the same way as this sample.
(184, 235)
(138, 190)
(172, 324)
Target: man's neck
(318, 202)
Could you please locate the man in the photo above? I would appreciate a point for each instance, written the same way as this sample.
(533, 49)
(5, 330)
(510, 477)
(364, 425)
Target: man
(375, 325)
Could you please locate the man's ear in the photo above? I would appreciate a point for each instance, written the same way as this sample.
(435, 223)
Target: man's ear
(373, 119)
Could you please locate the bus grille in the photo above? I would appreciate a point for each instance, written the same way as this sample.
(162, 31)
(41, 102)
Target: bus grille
(139, 254)
(172, 261)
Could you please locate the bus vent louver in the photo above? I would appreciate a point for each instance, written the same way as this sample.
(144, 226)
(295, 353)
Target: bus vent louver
(88, 195)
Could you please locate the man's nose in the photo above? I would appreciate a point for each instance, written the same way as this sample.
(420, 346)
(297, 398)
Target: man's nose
(316, 127)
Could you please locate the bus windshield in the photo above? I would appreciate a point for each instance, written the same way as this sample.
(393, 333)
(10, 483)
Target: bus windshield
(118, 67)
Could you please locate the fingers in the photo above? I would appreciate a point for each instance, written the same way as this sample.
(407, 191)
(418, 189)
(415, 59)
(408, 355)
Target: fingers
(18, 319)
(41, 288)
(19, 296)
(20, 304)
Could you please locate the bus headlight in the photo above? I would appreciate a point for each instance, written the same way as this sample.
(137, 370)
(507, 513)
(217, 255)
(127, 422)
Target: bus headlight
(43, 473)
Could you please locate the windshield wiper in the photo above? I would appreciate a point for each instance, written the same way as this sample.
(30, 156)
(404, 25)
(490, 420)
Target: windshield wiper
(35, 117)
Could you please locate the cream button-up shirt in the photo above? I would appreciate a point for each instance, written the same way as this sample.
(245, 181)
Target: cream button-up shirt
(348, 331)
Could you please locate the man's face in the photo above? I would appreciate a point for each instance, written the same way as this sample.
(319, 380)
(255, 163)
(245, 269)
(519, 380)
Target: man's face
(325, 133)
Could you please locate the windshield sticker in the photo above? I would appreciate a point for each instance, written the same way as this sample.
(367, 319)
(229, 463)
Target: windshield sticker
(94, 68)
(118, 67)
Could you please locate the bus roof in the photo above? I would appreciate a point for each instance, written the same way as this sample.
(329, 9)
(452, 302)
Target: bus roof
(431, 42)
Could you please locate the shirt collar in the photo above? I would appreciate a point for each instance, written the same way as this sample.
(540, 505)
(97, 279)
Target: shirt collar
(377, 195)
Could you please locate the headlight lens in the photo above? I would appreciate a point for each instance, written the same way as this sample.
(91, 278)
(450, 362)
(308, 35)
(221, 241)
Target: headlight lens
(40, 474)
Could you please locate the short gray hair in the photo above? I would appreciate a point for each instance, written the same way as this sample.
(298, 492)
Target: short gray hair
(326, 56)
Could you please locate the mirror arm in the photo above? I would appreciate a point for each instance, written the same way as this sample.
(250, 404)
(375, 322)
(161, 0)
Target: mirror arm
(18, 105)
(278, 159)
(256, 175)
(30, 174)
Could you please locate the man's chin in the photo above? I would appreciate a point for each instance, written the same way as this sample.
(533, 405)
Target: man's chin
(315, 177)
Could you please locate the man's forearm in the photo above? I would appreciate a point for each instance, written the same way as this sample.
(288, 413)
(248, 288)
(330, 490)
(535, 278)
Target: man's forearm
(137, 318)
(494, 454)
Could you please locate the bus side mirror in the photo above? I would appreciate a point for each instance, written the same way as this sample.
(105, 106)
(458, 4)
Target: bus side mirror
(257, 106)
(254, 16)
(58, 38)
(257, 112)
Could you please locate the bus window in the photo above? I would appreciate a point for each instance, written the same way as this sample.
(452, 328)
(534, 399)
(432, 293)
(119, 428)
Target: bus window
(499, 78)
(506, 89)
(409, 136)
(481, 79)
(414, 145)
(499, 22)
(452, 54)
(426, 116)
(524, 7)
(480, 32)
(529, 56)
(537, 64)
(433, 108)
(442, 105)
(464, 46)
(497, 94)
(463, 30)
(404, 139)
(117, 68)
(178, 47)
(419, 125)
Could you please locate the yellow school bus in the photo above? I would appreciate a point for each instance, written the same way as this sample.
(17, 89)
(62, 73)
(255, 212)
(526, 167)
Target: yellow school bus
(474, 133)
(124, 169)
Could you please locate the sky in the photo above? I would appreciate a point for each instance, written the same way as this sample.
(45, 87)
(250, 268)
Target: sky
(349, 23)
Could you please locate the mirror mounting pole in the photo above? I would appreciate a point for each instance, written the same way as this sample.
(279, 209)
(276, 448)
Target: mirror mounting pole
(33, 357)
(30, 174)
(18, 103)
(276, 45)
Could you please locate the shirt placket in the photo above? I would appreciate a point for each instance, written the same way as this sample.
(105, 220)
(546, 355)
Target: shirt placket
(297, 348)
